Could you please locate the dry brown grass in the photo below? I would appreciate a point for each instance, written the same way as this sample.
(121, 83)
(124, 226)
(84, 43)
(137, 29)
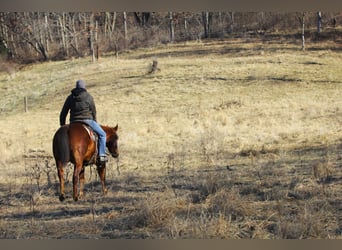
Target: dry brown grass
(230, 139)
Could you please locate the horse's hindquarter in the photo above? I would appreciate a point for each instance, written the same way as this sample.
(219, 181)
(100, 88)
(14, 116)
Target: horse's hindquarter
(81, 144)
(60, 145)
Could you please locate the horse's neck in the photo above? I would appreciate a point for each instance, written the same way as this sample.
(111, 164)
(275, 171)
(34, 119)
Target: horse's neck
(105, 128)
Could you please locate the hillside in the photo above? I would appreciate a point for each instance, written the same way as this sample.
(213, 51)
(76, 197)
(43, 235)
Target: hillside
(234, 138)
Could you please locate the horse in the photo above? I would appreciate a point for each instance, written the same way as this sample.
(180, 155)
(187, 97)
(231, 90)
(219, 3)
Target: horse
(74, 143)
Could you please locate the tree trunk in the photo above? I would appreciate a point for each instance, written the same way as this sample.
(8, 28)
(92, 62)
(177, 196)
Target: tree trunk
(112, 28)
(6, 41)
(91, 38)
(46, 38)
(125, 28)
(303, 31)
(75, 36)
(206, 23)
(186, 25)
(95, 40)
(41, 48)
(61, 21)
(319, 22)
(171, 27)
(221, 23)
(232, 22)
(106, 24)
(110, 21)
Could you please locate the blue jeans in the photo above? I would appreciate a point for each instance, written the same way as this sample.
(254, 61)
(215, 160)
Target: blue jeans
(101, 133)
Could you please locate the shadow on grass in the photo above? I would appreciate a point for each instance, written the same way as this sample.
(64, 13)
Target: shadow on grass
(287, 179)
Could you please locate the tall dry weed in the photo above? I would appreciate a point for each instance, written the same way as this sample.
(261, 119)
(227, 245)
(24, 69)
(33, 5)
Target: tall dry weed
(157, 210)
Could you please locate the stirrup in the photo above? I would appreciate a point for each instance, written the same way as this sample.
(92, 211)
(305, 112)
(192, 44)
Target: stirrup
(103, 158)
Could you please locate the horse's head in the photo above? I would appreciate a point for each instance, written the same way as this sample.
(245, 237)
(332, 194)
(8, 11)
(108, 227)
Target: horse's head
(112, 141)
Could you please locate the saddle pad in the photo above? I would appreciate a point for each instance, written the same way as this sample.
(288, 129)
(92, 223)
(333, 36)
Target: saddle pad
(90, 132)
(93, 137)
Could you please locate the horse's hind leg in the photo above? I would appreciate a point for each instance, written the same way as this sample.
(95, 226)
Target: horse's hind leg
(60, 170)
(81, 183)
(101, 169)
(76, 177)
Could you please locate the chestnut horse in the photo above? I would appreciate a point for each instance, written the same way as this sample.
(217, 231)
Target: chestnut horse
(73, 143)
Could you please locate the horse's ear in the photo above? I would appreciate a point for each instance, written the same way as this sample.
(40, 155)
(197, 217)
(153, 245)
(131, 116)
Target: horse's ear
(116, 127)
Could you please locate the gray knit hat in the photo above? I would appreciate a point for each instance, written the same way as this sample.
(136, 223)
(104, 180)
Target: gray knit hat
(80, 84)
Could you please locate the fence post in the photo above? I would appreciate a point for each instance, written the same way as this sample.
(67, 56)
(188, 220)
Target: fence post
(25, 104)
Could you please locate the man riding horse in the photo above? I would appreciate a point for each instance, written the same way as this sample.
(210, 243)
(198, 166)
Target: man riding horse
(82, 109)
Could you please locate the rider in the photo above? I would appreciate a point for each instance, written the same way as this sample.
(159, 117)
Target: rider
(82, 108)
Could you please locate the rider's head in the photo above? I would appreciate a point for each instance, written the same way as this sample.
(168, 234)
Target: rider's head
(80, 84)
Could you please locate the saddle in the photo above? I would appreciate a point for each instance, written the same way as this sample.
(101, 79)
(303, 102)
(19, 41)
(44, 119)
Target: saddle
(94, 137)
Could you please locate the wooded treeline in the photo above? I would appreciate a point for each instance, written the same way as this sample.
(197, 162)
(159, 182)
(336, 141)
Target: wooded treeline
(33, 36)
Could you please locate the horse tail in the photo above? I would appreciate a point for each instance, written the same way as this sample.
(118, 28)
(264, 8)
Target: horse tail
(61, 147)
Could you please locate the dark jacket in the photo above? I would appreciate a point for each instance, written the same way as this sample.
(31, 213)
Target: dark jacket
(81, 105)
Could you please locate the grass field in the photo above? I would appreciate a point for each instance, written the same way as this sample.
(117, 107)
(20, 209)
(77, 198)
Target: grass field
(236, 138)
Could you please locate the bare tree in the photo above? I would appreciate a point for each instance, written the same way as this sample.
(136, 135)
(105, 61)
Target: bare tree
(28, 31)
(207, 18)
(171, 27)
(73, 29)
(142, 18)
(231, 25)
(125, 27)
(62, 32)
(319, 22)
(30, 36)
(303, 30)
(92, 38)
(5, 38)
(110, 22)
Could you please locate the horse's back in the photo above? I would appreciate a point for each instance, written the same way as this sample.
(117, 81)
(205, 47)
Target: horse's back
(78, 133)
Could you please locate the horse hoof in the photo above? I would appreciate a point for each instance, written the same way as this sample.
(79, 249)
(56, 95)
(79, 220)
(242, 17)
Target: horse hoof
(76, 198)
(61, 197)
